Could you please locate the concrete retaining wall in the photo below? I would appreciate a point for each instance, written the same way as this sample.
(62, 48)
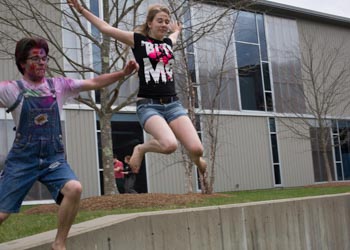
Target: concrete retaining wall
(307, 223)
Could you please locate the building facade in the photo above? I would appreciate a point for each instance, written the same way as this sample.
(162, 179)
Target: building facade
(254, 73)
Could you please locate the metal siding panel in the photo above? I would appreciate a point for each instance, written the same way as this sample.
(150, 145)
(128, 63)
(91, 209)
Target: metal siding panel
(8, 68)
(81, 149)
(243, 157)
(326, 36)
(295, 156)
(165, 173)
(284, 57)
(211, 60)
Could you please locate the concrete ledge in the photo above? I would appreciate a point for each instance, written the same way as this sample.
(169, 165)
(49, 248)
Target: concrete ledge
(321, 222)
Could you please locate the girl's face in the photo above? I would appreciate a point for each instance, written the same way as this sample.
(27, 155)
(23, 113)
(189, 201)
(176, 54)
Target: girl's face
(35, 65)
(159, 26)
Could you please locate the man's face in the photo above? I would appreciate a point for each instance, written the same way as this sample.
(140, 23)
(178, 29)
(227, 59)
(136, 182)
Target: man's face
(35, 65)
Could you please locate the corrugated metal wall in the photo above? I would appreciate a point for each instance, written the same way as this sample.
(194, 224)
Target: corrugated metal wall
(284, 57)
(8, 70)
(324, 38)
(295, 154)
(81, 148)
(165, 173)
(243, 159)
(243, 155)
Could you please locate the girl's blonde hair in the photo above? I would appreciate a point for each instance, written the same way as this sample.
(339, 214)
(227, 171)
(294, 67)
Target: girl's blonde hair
(153, 10)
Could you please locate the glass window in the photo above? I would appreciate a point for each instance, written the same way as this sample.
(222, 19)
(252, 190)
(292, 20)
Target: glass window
(339, 172)
(262, 37)
(191, 66)
(277, 174)
(274, 148)
(344, 140)
(245, 30)
(250, 77)
(190, 47)
(253, 65)
(275, 155)
(251, 93)
(272, 125)
(337, 153)
(269, 101)
(266, 73)
(247, 56)
(334, 127)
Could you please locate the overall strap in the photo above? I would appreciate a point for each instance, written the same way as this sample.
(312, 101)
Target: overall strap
(52, 86)
(19, 97)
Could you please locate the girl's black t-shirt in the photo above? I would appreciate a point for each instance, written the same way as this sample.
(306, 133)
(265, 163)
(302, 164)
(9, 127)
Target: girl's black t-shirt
(156, 60)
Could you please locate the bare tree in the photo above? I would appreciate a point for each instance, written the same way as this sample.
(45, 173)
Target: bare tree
(48, 19)
(213, 20)
(325, 79)
(213, 122)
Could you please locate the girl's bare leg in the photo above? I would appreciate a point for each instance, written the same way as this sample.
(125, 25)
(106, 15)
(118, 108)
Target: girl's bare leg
(187, 135)
(163, 141)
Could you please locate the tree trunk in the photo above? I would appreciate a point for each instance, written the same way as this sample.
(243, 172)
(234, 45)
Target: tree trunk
(107, 154)
(327, 166)
(325, 157)
(188, 170)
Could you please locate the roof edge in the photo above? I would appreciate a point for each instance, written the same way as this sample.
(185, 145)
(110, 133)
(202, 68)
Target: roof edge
(293, 11)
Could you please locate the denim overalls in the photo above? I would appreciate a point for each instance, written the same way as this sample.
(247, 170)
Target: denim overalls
(37, 152)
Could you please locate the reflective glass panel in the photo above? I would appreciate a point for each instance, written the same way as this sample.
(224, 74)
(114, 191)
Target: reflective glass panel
(269, 102)
(277, 174)
(262, 37)
(266, 74)
(274, 148)
(245, 29)
(272, 124)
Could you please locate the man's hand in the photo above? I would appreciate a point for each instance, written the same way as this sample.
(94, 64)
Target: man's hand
(75, 4)
(130, 67)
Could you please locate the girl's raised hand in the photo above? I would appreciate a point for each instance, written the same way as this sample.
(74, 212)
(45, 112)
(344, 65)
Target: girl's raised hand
(175, 26)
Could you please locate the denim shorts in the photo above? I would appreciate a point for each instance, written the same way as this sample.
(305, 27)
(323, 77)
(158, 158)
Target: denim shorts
(20, 173)
(169, 111)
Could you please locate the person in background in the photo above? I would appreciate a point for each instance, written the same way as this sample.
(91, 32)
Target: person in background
(119, 175)
(130, 176)
(159, 110)
(37, 153)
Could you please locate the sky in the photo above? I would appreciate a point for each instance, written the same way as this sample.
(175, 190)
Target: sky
(334, 7)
